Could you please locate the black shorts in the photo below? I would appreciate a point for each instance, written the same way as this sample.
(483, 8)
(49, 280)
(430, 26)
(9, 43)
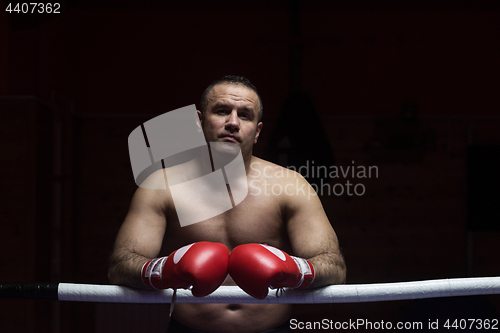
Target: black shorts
(176, 327)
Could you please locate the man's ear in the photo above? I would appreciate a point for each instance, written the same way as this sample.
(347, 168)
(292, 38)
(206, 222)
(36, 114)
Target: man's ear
(257, 133)
(200, 124)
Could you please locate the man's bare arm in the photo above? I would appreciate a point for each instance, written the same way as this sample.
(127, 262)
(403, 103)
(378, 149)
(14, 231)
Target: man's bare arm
(140, 237)
(125, 267)
(313, 238)
(329, 269)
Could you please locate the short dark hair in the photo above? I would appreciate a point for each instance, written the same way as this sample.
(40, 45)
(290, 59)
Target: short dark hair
(230, 79)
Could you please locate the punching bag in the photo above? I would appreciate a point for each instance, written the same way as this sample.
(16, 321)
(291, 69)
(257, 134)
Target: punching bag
(298, 138)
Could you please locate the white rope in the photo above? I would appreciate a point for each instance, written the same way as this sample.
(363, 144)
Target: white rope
(332, 294)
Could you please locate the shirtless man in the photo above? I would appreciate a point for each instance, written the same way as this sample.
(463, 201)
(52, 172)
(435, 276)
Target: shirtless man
(293, 221)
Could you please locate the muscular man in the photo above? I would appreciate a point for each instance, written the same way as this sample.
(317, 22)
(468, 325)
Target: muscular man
(293, 221)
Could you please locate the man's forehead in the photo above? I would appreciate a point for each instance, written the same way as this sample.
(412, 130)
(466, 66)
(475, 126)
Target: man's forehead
(227, 93)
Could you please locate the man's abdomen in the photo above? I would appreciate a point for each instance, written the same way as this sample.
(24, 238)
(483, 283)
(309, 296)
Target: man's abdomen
(232, 317)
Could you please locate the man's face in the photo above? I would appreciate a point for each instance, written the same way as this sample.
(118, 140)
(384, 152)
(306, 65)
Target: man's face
(232, 116)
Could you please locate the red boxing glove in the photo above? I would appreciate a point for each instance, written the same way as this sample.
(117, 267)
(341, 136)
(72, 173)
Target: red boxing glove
(255, 267)
(202, 265)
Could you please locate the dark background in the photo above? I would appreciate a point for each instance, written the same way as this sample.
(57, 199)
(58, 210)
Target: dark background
(410, 87)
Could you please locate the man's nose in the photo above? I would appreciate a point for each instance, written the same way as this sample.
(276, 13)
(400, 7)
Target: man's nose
(232, 121)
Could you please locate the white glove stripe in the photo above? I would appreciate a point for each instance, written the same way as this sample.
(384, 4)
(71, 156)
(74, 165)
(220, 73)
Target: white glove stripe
(278, 253)
(180, 252)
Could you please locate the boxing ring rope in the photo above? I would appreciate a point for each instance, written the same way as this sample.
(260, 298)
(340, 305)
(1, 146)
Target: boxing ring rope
(354, 293)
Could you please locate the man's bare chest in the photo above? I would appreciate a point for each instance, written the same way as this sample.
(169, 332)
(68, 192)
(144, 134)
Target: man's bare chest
(257, 219)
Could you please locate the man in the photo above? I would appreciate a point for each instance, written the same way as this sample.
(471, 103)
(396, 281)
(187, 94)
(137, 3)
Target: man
(292, 221)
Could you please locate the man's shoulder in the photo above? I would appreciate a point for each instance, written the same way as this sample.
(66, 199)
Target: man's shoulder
(279, 182)
(262, 168)
(155, 181)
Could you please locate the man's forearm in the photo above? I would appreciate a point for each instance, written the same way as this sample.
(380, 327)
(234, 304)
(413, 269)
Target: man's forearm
(329, 268)
(125, 269)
